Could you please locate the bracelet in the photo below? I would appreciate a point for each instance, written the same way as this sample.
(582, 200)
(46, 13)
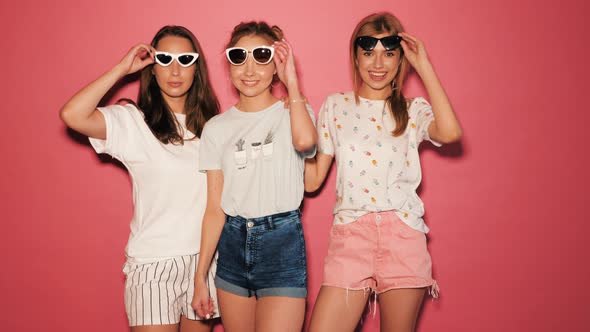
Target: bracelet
(298, 101)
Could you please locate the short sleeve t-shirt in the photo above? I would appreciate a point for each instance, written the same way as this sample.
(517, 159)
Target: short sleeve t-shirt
(375, 170)
(262, 171)
(169, 192)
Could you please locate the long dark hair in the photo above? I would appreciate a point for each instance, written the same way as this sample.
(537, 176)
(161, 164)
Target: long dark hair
(201, 102)
(372, 25)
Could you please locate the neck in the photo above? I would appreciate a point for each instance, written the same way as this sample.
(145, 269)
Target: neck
(176, 104)
(256, 103)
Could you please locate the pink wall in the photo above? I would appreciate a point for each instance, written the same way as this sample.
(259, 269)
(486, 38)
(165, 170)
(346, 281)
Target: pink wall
(505, 206)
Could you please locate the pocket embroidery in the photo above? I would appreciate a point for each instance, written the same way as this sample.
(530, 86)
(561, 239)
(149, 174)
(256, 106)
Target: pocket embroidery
(240, 156)
(267, 148)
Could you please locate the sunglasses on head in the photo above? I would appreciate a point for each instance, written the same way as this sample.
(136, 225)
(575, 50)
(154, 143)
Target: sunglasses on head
(368, 43)
(184, 59)
(238, 55)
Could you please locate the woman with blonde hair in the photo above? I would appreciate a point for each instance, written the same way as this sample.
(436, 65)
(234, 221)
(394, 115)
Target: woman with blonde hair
(377, 242)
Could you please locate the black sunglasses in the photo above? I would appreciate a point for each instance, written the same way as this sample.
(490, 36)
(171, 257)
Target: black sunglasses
(368, 43)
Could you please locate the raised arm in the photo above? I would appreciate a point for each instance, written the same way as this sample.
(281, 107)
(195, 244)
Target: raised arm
(302, 127)
(445, 128)
(80, 112)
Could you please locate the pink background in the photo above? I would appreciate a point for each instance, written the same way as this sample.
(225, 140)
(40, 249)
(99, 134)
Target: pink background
(506, 206)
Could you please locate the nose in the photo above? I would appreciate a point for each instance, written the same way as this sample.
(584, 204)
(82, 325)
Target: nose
(175, 68)
(379, 60)
(249, 66)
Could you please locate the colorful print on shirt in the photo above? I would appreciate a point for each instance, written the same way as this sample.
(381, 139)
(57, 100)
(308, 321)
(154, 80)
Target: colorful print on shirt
(376, 171)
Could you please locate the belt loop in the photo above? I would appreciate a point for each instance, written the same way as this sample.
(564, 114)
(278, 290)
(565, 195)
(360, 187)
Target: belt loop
(270, 223)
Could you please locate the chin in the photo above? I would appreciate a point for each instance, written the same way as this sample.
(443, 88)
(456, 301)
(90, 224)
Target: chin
(251, 92)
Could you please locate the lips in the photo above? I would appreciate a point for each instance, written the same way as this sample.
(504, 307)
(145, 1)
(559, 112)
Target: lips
(174, 84)
(377, 76)
(250, 83)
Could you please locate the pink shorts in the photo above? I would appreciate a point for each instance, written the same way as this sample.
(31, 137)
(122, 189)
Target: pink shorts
(380, 252)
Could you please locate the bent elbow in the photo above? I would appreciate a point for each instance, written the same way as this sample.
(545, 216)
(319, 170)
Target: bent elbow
(311, 186)
(304, 144)
(451, 137)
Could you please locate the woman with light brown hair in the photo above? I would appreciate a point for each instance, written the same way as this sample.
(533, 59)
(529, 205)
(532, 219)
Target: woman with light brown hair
(254, 158)
(377, 242)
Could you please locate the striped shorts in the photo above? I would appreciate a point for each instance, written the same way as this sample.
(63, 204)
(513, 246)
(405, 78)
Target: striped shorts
(159, 292)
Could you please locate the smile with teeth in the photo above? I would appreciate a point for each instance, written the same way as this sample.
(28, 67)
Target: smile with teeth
(377, 75)
(250, 82)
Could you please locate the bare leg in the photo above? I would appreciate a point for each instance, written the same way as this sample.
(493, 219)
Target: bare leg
(237, 312)
(279, 313)
(187, 325)
(399, 309)
(338, 309)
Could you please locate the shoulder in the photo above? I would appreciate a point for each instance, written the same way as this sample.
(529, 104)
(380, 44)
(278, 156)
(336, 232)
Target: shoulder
(338, 100)
(341, 97)
(418, 105)
(122, 112)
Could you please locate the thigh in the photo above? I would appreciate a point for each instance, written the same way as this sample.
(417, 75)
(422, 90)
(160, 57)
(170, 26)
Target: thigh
(399, 309)
(279, 313)
(237, 312)
(155, 328)
(188, 325)
(338, 309)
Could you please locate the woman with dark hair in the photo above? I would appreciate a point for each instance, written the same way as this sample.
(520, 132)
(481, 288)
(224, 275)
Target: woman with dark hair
(377, 243)
(254, 158)
(158, 141)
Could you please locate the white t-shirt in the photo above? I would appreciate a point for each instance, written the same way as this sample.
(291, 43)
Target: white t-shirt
(262, 171)
(375, 171)
(169, 192)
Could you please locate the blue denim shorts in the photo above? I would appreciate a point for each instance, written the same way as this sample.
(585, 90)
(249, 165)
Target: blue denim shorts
(263, 256)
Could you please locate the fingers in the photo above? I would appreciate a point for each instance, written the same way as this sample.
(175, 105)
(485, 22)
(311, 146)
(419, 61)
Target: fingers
(202, 309)
(414, 43)
(283, 50)
(205, 308)
(407, 36)
(143, 50)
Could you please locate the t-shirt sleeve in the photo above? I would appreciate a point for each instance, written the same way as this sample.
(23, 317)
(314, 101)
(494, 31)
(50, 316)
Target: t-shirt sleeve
(325, 130)
(422, 117)
(209, 151)
(122, 130)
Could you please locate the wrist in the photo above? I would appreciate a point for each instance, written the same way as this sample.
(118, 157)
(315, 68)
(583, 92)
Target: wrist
(293, 89)
(425, 69)
(119, 71)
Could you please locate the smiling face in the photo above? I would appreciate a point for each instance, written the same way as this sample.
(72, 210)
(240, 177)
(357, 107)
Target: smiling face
(377, 69)
(252, 79)
(174, 80)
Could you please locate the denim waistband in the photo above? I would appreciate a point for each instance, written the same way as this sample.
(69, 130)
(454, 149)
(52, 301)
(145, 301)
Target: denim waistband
(265, 219)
